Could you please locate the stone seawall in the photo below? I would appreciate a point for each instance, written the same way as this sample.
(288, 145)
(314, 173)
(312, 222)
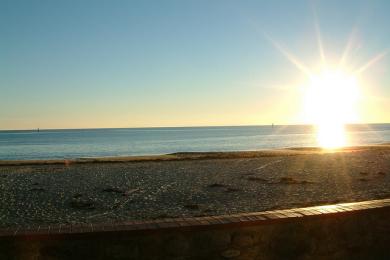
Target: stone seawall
(342, 231)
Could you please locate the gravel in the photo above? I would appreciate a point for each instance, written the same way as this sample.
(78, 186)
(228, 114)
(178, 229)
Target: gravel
(106, 192)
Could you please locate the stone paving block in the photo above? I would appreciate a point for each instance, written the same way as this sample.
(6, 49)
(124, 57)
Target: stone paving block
(270, 216)
(198, 221)
(308, 213)
(259, 217)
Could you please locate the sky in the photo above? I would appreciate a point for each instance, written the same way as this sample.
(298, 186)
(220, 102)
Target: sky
(105, 64)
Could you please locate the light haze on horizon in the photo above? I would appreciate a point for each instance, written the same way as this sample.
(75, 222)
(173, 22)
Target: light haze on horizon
(108, 64)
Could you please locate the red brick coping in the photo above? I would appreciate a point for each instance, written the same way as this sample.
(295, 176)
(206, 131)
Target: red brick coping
(255, 218)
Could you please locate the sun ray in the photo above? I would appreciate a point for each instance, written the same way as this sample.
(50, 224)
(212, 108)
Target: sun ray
(371, 62)
(289, 56)
(348, 48)
(333, 93)
(319, 38)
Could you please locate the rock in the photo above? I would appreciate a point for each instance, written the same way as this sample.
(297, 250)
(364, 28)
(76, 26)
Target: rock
(230, 253)
(82, 203)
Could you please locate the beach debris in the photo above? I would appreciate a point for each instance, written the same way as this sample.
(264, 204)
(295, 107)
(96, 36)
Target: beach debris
(287, 180)
(290, 180)
(192, 206)
(98, 215)
(78, 203)
(364, 173)
(232, 189)
(113, 189)
(216, 185)
(127, 193)
(381, 173)
(363, 179)
(120, 191)
(259, 179)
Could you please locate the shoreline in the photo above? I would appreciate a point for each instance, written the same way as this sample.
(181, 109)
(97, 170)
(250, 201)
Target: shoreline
(178, 156)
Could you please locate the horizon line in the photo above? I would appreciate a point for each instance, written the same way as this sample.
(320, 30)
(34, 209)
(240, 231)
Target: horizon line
(191, 126)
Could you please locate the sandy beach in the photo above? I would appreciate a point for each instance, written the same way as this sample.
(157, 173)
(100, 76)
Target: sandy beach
(187, 184)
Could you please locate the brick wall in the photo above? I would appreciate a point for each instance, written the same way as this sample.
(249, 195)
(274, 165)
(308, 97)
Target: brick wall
(343, 231)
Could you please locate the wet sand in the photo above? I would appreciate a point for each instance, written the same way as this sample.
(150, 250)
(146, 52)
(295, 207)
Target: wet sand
(188, 184)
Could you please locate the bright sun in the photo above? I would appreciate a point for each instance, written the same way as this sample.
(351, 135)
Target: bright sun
(330, 103)
(331, 97)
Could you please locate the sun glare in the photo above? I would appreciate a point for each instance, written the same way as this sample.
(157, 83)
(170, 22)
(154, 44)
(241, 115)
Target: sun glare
(330, 103)
(330, 98)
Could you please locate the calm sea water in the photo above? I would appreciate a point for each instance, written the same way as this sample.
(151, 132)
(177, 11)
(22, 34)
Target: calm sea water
(51, 144)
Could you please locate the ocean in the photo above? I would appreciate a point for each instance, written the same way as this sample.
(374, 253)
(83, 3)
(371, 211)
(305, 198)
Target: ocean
(81, 143)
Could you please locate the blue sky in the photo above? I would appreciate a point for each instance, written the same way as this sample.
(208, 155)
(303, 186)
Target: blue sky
(82, 64)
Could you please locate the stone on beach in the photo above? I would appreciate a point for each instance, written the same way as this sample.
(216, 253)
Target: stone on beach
(78, 203)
